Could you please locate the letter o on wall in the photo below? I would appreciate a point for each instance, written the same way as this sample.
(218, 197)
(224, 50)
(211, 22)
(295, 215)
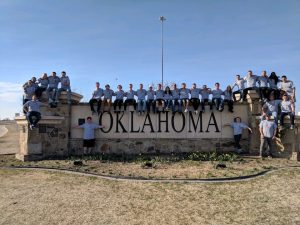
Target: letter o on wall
(183, 123)
(111, 122)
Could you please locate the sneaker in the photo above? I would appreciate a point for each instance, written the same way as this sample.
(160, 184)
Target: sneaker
(292, 127)
(196, 112)
(185, 110)
(31, 127)
(50, 100)
(239, 151)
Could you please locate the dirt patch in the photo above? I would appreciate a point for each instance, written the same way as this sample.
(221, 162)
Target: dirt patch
(32, 197)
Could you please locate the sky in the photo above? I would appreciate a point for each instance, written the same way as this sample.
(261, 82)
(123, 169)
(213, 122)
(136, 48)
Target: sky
(119, 42)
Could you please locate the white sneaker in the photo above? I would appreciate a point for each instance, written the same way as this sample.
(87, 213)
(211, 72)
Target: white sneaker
(185, 110)
(196, 112)
(31, 127)
(50, 100)
(292, 127)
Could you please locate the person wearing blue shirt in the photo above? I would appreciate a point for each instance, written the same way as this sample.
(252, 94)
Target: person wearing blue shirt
(238, 127)
(89, 135)
(251, 83)
(159, 100)
(175, 99)
(150, 99)
(263, 82)
(42, 85)
(120, 94)
(195, 101)
(32, 109)
(168, 98)
(52, 87)
(217, 97)
(205, 92)
(107, 96)
(268, 130)
(240, 84)
(130, 98)
(64, 86)
(228, 98)
(141, 102)
(96, 98)
(184, 97)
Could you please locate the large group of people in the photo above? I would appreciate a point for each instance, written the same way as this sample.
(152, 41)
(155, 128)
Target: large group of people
(277, 97)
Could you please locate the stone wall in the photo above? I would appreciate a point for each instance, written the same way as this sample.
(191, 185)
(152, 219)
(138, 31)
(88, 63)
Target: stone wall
(161, 133)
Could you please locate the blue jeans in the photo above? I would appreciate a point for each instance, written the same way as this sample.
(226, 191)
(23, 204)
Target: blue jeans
(67, 89)
(218, 102)
(54, 93)
(141, 105)
(33, 117)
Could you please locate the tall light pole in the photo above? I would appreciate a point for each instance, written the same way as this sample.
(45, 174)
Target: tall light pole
(162, 19)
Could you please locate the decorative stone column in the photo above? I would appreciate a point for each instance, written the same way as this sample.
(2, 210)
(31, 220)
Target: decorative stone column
(254, 111)
(51, 138)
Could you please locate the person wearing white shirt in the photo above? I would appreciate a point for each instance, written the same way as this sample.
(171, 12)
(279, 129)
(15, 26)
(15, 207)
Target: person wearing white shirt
(287, 109)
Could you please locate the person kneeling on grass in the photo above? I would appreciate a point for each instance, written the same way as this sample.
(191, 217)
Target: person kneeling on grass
(32, 109)
(89, 135)
(238, 127)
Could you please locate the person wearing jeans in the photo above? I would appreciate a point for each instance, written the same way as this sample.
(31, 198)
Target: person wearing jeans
(267, 129)
(287, 109)
(32, 109)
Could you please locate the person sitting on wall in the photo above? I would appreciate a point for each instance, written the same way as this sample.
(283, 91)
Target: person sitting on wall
(272, 106)
(287, 109)
(96, 98)
(120, 94)
(287, 87)
(273, 82)
(150, 99)
(184, 97)
(168, 98)
(159, 97)
(53, 87)
(238, 127)
(240, 84)
(107, 96)
(32, 109)
(251, 83)
(141, 101)
(65, 86)
(89, 135)
(228, 98)
(217, 97)
(130, 98)
(29, 91)
(205, 92)
(175, 99)
(43, 85)
(195, 101)
(268, 130)
(263, 82)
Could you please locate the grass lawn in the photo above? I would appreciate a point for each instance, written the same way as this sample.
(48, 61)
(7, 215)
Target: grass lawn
(161, 167)
(38, 197)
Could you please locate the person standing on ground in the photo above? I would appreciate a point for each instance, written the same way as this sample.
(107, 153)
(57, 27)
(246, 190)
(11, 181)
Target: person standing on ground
(89, 135)
(238, 127)
(268, 130)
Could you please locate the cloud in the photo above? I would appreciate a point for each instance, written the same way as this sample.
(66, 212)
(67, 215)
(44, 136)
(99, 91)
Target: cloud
(11, 99)
(10, 92)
